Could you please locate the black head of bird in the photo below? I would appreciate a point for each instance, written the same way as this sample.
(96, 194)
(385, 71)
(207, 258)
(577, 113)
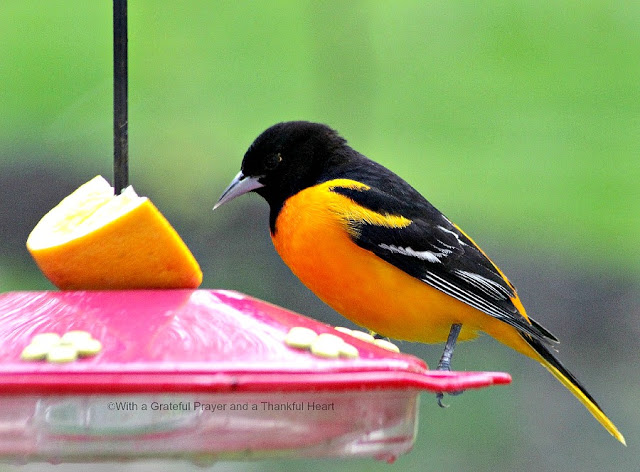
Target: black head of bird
(286, 158)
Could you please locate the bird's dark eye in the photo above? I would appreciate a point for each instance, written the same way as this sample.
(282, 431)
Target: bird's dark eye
(272, 161)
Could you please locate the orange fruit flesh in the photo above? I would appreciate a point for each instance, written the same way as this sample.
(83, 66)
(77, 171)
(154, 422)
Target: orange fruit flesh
(94, 240)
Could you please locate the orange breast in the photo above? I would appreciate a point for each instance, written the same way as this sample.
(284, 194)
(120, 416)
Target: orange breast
(312, 239)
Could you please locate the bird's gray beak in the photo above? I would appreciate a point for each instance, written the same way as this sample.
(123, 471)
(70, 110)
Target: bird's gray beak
(240, 185)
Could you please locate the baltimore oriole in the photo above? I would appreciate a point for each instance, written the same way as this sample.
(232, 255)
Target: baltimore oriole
(374, 249)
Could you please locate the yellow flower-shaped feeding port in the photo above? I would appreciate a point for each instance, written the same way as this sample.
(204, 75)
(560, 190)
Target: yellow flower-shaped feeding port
(60, 349)
(330, 346)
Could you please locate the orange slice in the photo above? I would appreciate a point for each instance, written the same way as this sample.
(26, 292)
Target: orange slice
(95, 240)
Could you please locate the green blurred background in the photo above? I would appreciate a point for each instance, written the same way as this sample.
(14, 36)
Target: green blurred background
(520, 120)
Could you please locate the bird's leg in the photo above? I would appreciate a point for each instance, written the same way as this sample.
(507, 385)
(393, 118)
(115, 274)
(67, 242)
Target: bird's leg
(445, 360)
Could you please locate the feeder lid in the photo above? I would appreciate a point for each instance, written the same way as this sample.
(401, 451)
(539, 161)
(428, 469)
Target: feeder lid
(194, 341)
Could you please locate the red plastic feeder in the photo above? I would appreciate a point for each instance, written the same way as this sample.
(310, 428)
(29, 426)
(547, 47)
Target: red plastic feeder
(200, 375)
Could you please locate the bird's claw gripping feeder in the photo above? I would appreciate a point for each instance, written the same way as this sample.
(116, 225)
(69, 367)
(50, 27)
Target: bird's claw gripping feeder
(111, 375)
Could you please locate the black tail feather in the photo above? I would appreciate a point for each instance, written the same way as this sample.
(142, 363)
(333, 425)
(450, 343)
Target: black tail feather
(547, 355)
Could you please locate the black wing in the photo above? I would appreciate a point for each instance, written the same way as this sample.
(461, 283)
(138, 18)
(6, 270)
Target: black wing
(435, 251)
